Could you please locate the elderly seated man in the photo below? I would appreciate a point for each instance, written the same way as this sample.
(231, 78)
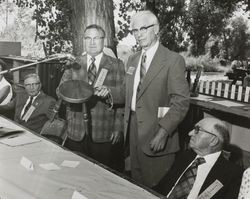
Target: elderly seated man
(32, 106)
(203, 172)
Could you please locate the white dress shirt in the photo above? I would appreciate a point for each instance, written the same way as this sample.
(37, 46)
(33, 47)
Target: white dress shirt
(149, 56)
(34, 97)
(97, 61)
(202, 173)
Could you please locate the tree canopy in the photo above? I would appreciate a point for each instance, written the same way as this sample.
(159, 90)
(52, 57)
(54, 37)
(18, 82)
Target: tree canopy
(183, 23)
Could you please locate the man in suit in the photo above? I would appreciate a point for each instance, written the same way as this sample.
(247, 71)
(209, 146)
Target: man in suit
(157, 100)
(32, 106)
(105, 118)
(215, 178)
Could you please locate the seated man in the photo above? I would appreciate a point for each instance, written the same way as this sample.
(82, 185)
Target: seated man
(32, 107)
(5, 87)
(203, 171)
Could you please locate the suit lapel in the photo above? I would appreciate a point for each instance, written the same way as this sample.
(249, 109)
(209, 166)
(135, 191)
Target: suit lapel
(155, 67)
(131, 76)
(214, 174)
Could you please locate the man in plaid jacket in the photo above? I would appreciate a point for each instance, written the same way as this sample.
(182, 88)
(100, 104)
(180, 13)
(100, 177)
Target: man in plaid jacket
(105, 118)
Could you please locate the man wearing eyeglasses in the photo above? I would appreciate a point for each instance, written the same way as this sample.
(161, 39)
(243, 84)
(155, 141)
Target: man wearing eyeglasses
(213, 176)
(32, 106)
(157, 100)
(105, 118)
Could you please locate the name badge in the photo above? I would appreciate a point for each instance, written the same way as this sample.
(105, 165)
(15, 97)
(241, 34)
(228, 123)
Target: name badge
(211, 190)
(101, 77)
(131, 70)
(28, 113)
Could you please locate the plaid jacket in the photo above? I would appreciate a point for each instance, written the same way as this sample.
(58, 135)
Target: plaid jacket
(102, 120)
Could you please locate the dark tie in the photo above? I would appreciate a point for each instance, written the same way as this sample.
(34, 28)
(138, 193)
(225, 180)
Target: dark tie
(143, 70)
(92, 71)
(186, 182)
(27, 106)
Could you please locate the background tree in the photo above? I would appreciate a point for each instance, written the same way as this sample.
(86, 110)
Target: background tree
(60, 23)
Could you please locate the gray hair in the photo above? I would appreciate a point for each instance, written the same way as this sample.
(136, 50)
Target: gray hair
(34, 75)
(147, 14)
(223, 132)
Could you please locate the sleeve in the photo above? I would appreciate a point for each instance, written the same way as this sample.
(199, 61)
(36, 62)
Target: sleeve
(178, 91)
(118, 90)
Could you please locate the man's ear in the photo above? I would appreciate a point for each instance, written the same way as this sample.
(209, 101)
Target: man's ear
(156, 29)
(214, 141)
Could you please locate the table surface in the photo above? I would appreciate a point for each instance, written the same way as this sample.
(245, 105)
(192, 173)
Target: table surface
(243, 110)
(88, 178)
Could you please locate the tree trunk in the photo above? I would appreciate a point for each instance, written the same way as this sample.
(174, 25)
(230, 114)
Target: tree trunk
(87, 12)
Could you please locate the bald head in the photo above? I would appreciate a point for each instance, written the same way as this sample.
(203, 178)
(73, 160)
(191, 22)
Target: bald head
(209, 136)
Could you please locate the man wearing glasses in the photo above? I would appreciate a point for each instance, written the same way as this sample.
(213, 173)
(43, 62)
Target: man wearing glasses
(157, 100)
(105, 118)
(203, 172)
(32, 106)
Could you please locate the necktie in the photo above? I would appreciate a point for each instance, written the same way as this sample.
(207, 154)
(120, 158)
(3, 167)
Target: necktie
(92, 71)
(27, 106)
(186, 182)
(143, 70)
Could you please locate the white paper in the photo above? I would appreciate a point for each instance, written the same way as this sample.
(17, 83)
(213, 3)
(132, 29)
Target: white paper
(68, 163)
(162, 111)
(77, 195)
(203, 98)
(213, 88)
(232, 91)
(227, 103)
(201, 86)
(101, 77)
(226, 90)
(239, 93)
(219, 89)
(19, 140)
(50, 166)
(27, 164)
(247, 94)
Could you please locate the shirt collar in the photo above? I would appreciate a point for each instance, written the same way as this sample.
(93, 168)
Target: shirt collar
(211, 158)
(97, 60)
(151, 51)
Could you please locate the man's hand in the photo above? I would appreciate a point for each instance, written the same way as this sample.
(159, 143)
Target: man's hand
(102, 91)
(158, 143)
(116, 137)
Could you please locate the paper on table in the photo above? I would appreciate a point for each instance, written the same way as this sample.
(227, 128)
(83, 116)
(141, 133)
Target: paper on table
(228, 103)
(203, 98)
(19, 140)
(26, 163)
(49, 166)
(68, 163)
(77, 195)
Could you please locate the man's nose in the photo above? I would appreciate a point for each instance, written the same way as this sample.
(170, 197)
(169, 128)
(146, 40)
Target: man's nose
(191, 133)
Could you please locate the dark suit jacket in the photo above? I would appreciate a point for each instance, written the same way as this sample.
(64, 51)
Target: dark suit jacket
(43, 104)
(163, 86)
(223, 170)
(103, 121)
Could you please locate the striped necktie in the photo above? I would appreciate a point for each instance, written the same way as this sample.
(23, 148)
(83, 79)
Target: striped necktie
(186, 182)
(143, 70)
(92, 71)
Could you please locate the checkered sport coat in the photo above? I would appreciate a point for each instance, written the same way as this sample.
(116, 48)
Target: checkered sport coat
(102, 120)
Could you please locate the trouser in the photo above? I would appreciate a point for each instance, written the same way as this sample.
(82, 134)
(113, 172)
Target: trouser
(146, 169)
(105, 153)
